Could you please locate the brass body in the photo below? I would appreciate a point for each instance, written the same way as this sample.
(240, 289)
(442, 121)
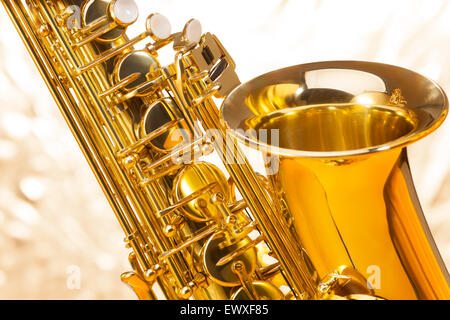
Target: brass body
(195, 232)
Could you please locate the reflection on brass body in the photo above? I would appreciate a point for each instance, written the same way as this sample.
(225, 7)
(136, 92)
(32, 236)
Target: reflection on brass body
(343, 170)
(339, 210)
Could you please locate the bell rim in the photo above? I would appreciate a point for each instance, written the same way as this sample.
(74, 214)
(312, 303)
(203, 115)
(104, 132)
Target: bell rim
(237, 99)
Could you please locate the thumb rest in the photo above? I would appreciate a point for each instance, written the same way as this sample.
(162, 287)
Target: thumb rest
(194, 231)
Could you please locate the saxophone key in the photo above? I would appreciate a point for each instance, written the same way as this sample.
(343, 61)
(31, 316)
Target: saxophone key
(207, 231)
(189, 37)
(211, 57)
(143, 142)
(238, 268)
(238, 206)
(186, 200)
(118, 14)
(159, 27)
(141, 287)
(175, 156)
(223, 274)
(121, 84)
(111, 53)
(138, 62)
(197, 186)
(158, 115)
(236, 253)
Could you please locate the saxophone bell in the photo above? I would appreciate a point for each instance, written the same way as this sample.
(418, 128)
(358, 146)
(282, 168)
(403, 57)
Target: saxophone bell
(343, 172)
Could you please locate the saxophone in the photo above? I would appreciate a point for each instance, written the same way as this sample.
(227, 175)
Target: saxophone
(297, 188)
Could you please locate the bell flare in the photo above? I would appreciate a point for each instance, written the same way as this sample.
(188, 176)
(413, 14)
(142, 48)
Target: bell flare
(337, 133)
(335, 109)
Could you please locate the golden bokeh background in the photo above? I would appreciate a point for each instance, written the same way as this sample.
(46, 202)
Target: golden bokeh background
(54, 219)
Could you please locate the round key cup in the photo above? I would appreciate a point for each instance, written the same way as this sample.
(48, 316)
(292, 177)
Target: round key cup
(123, 12)
(158, 26)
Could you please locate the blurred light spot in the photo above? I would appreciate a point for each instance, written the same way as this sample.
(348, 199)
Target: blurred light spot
(432, 71)
(99, 206)
(25, 212)
(87, 295)
(3, 278)
(8, 150)
(18, 230)
(364, 99)
(8, 261)
(32, 277)
(16, 125)
(106, 262)
(4, 84)
(32, 187)
(43, 128)
(45, 250)
(299, 91)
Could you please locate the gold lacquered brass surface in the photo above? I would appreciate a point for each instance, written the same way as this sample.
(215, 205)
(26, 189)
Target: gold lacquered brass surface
(336, 127)
(224, 274)
(92, 10)
(343, 170)
(187, 230)
(195, 177)
(338, 218)
(265, 291)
